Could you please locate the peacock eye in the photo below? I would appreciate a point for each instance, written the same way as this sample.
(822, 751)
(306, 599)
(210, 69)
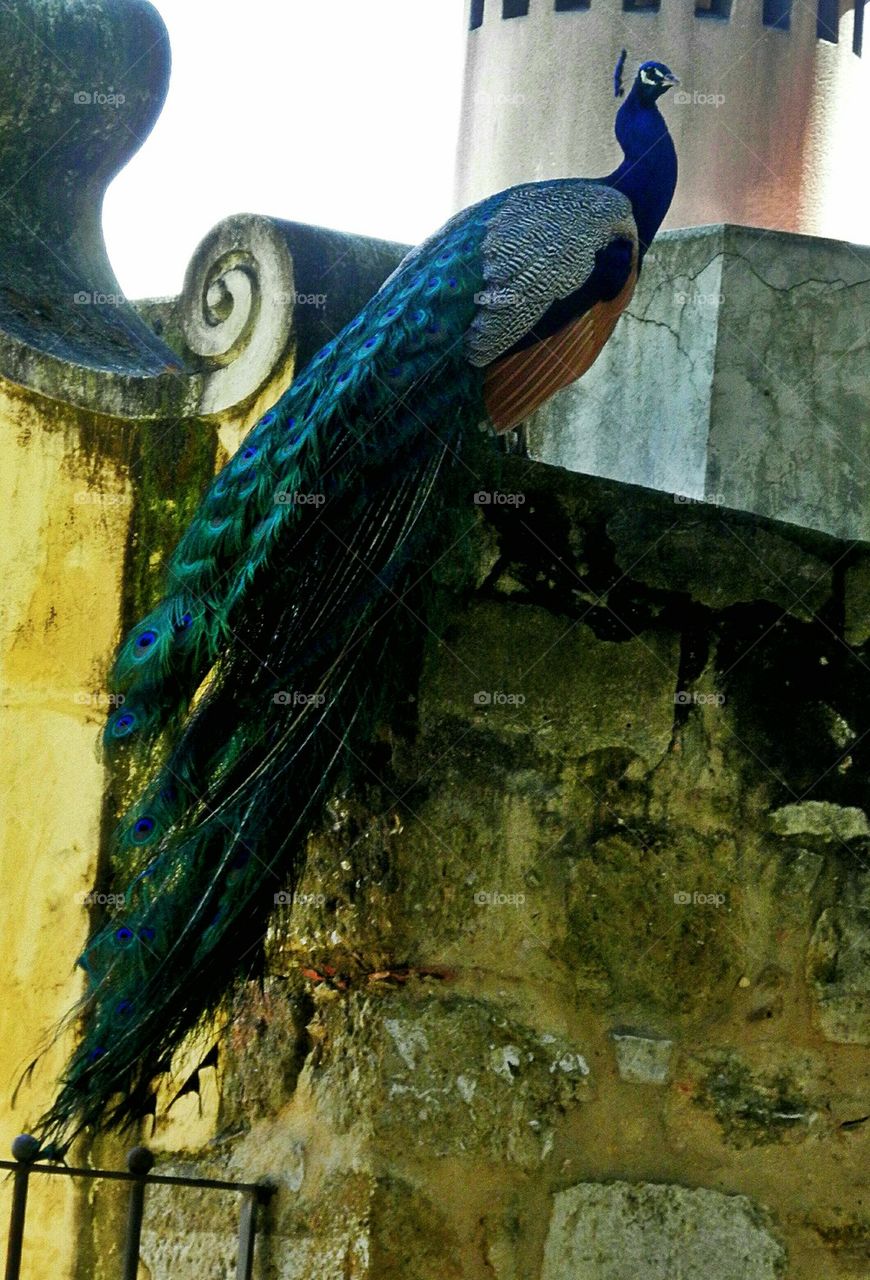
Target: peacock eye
(145, 640)
(147, 934)
(96, 1052)
(124, 725)
(143, 828)
(124, 934)
(123, 1007)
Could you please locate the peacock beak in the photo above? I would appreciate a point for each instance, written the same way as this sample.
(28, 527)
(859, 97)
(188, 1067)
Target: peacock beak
(670, 79)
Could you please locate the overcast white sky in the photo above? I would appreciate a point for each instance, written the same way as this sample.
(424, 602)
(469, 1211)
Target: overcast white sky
(337, 112)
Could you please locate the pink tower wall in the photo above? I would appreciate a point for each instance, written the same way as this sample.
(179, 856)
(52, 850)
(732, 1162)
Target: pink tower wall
(772, 133)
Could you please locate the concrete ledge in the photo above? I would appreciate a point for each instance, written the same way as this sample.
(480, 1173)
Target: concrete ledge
(737, 377)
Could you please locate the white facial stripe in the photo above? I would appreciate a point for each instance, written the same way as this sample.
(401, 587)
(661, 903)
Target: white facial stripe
(650, 77)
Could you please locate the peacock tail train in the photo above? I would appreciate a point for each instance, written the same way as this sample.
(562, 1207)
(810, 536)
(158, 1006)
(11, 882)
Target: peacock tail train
(280, 639)
(265, 665)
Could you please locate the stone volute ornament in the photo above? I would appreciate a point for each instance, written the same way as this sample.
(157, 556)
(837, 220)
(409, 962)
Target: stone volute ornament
(68, 123)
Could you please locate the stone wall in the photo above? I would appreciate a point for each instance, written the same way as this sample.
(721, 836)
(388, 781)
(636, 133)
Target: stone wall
(578, 985)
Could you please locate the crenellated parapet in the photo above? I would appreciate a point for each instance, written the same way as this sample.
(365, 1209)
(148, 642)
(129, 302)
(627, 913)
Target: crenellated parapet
(764, 119)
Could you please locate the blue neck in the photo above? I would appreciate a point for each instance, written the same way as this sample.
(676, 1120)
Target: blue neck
(648, 174)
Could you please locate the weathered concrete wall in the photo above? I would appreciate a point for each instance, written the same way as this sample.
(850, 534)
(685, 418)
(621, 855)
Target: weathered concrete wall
(738, 375)
(578, 985)
(581, 977)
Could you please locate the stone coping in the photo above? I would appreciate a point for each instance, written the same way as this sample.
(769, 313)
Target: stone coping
(737, 377)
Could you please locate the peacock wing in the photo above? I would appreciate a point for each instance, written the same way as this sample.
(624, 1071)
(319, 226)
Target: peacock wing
(560, 262)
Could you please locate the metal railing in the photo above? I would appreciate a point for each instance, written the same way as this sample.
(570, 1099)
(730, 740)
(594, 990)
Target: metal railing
(140, 1161)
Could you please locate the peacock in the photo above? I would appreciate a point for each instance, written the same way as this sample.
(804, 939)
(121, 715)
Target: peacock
(257, 679)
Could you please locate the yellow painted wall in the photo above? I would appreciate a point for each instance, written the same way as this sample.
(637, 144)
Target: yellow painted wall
(66, 507)
(64, 511)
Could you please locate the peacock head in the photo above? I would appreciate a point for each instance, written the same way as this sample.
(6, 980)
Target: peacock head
(653, 79)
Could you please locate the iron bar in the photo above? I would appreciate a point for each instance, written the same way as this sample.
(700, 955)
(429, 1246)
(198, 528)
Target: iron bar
(118, 1175)
(140, 1161)
(25, 1149)
(16, 1222)
(247, 1236)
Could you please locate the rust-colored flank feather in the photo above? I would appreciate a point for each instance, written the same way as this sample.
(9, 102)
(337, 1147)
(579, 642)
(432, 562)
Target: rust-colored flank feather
(518, 384)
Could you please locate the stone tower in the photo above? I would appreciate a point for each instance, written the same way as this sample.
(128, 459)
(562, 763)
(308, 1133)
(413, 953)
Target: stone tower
(764, 120)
